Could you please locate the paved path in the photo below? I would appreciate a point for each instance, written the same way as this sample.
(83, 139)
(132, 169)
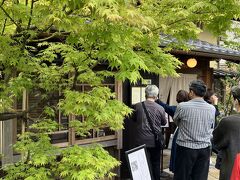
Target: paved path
(213, 174)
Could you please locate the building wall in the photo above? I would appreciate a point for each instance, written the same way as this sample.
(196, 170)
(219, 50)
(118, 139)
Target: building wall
(6, 142)
(208, 37)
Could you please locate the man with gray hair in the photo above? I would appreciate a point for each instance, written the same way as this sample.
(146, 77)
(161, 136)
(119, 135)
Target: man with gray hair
(195, 120)
(226, 137)
(143, 133)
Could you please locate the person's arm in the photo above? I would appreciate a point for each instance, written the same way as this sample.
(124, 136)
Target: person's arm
(177, 115)
(170, 110)
(220, 137)
(160, 117)
(163, 118)
(217, 113)
(214, 102)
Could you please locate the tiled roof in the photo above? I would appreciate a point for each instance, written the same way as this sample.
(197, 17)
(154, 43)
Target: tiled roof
(224, 73)
(205, 48)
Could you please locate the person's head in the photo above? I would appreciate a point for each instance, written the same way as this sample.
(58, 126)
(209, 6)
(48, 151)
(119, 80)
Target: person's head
(151, 91)
(236, 96)
(236, 93)
(197, 88)
(208, 95)
(182, 96)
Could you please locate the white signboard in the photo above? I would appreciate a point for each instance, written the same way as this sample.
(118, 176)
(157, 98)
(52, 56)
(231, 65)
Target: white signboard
(138, 94)
(138, 163)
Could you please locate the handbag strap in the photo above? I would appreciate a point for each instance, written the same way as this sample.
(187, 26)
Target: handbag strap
(149, 120)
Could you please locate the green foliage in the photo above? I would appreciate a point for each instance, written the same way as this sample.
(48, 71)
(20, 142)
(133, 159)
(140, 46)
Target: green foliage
(98, 111)
(42, 160)
(38, 154)
(53, 46)
(86, 163)
(25, 171)
(228, 82)
(231, 40)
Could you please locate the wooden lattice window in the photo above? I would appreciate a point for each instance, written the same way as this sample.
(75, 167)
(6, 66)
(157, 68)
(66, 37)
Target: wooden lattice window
(65, 135)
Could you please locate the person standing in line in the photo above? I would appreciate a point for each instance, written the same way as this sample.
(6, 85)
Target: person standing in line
(143, 133)
(211, 98)
(182, 96)
(195, 120)
(226, 137)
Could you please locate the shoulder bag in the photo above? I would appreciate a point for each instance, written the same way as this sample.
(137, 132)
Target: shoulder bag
(159, 139)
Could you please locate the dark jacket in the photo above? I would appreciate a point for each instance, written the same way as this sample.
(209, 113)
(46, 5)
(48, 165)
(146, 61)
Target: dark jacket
(142, 131)
(170, 110)
(226, 138)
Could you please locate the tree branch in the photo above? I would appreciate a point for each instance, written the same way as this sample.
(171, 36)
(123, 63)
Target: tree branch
(47, 28)
(4, 25)
(179, 20)
(76, 74)
(6, 13)
(57, 34)
(31, 13)
(43, 39)
(28, 157)
(2, 2)
(182, 19)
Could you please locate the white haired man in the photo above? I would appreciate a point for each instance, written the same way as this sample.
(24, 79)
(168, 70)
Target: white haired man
(143, 132)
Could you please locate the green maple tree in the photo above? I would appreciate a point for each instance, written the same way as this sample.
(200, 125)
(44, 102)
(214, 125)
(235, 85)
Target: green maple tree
(121, 35)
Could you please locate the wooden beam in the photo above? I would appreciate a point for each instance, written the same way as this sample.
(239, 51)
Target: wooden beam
(11, 115)
(106, 141)
(119, 95)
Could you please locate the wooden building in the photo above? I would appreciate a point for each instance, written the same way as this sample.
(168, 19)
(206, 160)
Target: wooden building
(118, 142)
(196, 64)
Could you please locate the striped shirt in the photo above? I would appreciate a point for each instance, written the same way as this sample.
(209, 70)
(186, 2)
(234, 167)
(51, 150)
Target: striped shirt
(195, 120)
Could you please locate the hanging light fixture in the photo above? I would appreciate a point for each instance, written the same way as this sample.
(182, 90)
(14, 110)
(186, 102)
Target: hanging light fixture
(191, 62)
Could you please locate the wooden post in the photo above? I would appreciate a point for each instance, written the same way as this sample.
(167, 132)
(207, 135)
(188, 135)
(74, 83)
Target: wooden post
(71, 132)
(207, 74)
(7, 142)
(14, 125)
(24, 107)
(119, 95)
(118, 91)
